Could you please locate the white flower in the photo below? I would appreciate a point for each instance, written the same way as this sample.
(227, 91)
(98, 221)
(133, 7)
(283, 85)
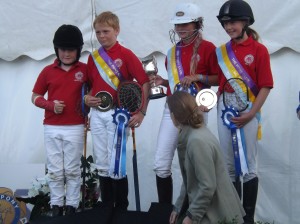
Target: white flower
(39, 185)
(32, 192)
(93, 167)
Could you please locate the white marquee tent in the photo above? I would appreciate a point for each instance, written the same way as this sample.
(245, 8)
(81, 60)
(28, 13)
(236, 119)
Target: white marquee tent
(26, 32)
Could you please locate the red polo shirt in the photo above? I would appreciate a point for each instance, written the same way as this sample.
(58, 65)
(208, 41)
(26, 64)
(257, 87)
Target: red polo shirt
(255, 59)
(128, 63)
(64, 86)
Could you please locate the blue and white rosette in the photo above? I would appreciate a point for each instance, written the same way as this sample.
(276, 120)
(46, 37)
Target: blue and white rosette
(118, 159)
(191, 89)
(238, 141)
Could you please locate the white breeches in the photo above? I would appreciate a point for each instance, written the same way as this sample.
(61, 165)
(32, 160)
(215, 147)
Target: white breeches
(250, 133)
(64, 147)
(102, 132)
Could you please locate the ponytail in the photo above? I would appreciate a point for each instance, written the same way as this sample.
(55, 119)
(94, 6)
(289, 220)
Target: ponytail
(253, 33)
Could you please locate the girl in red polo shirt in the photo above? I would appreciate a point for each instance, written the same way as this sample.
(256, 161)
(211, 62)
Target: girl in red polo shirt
(195, 62)
(252, 61)
(64, 122)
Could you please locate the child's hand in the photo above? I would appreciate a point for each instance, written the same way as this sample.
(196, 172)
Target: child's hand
(58, 106)
(92, 101)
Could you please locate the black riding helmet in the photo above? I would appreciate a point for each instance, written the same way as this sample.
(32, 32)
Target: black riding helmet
(68, 37)
(236, 10)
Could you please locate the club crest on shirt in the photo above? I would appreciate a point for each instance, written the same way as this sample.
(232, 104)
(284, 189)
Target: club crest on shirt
(119, 62)
(249, 59)
(78, 76)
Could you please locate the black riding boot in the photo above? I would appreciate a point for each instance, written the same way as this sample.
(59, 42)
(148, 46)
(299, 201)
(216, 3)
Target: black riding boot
(70, 210)
(237, 186)
(106, 191)
(121, 194)
(249, 199)
(164, 189)
(57, 211)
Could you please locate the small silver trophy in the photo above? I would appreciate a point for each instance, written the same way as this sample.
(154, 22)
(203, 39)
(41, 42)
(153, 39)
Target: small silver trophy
(150, 67)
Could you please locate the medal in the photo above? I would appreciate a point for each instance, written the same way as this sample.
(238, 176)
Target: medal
(106, 101)
(207, 98)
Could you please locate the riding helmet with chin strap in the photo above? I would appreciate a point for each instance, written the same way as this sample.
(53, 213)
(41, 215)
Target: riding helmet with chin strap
(68, 37)
(185, 13)
(236, 10)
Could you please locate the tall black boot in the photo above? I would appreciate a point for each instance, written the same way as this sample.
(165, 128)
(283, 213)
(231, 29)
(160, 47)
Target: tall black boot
(106, 191)
(164, 189)
(237, 186)
(57, 210)
(249, 199)
(121, 194)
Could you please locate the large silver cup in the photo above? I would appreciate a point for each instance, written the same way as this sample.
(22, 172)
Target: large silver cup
(150, 67)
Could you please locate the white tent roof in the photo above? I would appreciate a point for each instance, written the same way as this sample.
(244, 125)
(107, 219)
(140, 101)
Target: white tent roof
(27, 27)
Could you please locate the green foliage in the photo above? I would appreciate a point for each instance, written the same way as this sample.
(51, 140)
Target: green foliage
(89, 188)
(225, 221)
(234, 221)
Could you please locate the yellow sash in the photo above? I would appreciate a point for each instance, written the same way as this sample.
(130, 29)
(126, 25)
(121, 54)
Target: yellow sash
(230, 72)
(105, 71)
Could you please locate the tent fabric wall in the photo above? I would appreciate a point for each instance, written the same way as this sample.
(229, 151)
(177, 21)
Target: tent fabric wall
(26, 47)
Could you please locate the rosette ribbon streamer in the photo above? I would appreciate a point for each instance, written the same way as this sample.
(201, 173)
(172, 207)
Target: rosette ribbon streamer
(118, 167)
(238, 141)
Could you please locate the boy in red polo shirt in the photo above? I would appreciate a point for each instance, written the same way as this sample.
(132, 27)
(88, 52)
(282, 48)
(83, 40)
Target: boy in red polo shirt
(108, 66)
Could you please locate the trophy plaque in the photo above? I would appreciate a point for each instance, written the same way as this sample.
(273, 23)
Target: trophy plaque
(150, 67)
(207, 98)
(106, 101)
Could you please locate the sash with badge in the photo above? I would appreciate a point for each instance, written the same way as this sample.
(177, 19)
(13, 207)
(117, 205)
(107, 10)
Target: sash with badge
(110, 73)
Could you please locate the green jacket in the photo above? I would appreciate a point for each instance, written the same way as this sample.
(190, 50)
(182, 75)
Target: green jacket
(210, 193)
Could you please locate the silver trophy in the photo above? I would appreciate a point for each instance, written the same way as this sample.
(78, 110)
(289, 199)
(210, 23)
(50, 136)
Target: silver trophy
(150, 67)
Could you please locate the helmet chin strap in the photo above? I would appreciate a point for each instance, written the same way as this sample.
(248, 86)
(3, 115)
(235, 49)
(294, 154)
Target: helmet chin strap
(241, 36)
(195, 32)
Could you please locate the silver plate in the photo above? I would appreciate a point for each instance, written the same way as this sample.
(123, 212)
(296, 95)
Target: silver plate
(207, 98)
(106, 101)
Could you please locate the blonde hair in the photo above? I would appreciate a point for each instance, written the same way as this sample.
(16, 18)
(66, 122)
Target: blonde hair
(194, 58)
(108, 18)
(185, 110)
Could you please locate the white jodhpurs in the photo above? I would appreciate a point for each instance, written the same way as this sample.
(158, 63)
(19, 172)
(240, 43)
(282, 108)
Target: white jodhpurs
(166, 145)
(102, 131)
(64, 147)
(250, 133)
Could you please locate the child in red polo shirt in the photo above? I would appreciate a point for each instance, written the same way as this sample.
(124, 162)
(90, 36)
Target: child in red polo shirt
(64, 122)
(108, 66)
(250, 61)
